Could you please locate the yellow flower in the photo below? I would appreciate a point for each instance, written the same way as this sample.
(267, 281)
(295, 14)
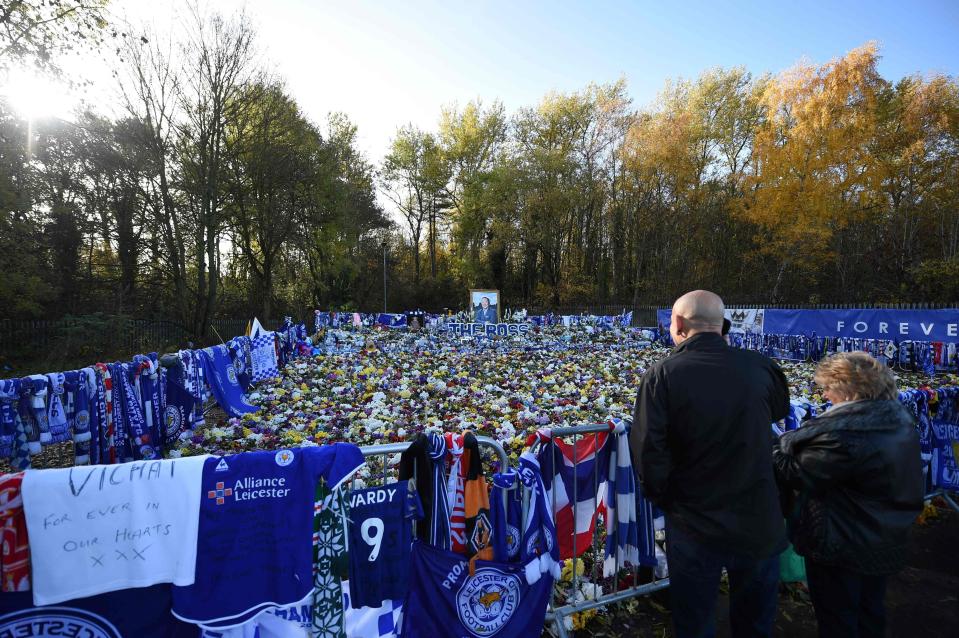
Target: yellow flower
(567, 573)
(581, 619)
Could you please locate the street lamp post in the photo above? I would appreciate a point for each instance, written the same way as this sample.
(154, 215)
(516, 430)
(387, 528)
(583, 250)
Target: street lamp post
(384, 277)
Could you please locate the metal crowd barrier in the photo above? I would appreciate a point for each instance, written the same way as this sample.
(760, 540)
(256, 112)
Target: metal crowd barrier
(557, 614)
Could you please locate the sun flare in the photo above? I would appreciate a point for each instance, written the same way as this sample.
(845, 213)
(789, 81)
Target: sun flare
(35, 96)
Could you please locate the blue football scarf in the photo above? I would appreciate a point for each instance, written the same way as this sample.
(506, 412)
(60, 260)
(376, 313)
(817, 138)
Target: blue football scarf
(440, 533)
(141, 446)
(220, 374)
(76, 383)
(9, 397)
(948, 411)
(21, 447)
(56, 411)
(98, 416)
(13, 427)
(539, 549)
(506, 516)
(142, 612)
(119, 447)
(255, 538)
(444, 600)
(928, 362)
(945, 432)
(177, 411)
(33, 411)
(242, 365)
(192, 380)
(147, 388)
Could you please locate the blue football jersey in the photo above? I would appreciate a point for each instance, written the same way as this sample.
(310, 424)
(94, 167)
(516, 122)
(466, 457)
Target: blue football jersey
(255, 537)
(380, 538)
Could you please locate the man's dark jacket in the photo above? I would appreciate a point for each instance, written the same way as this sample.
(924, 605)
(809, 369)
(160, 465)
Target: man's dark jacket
(857, 476)
(700, 444)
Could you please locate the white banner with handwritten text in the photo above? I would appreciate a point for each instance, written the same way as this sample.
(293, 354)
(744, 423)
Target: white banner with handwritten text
(102, 528)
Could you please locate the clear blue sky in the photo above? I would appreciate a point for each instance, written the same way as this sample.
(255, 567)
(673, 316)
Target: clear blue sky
(392, 62)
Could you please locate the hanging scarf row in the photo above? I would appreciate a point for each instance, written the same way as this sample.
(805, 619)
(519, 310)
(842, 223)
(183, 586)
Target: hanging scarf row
(134, 410)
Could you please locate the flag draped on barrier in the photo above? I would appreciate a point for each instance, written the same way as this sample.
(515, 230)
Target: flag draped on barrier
(575, 477)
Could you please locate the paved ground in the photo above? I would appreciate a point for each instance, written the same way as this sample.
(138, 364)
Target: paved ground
(923, 600)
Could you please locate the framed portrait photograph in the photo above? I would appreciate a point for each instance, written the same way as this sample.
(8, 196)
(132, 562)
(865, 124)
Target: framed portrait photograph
(484, 306)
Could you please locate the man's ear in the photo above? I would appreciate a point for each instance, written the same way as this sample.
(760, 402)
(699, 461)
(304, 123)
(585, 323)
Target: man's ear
(680, 325)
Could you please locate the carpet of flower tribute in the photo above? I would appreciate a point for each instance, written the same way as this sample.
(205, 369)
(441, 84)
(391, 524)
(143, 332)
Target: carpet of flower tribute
(372, 387)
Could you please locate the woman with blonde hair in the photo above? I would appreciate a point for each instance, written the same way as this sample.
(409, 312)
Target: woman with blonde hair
(853, 486)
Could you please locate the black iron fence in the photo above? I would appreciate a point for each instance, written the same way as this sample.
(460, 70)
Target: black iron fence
(42, 345)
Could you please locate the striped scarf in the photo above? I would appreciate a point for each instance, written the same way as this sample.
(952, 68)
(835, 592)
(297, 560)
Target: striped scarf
(506, 516)
(121, 431)
(108, 442)
(147, 387)
(9, 396)
(137, 442)
(456, 491)
(193, 380)
(630, 536)
(539, 549)
(78, 412)
(440, 535)
(56, 412)
(13, 425)
(92, 386)
(33, 412)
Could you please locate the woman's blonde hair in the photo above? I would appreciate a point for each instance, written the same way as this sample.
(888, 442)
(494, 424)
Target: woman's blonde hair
(855, 376)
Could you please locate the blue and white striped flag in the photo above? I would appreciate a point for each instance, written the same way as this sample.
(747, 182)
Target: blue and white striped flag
(263, 357)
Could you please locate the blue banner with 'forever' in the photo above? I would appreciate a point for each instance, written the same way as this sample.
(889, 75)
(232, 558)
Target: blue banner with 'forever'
(895, 325)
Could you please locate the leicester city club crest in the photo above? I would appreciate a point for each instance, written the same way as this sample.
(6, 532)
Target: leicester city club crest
(284, 458)
(512, 541)
(487, 601)
(532, 543)
(174, 421)
(231, 375)
(48, 622)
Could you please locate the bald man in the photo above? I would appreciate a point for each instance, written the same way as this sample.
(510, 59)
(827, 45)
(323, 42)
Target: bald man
(701, 445)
